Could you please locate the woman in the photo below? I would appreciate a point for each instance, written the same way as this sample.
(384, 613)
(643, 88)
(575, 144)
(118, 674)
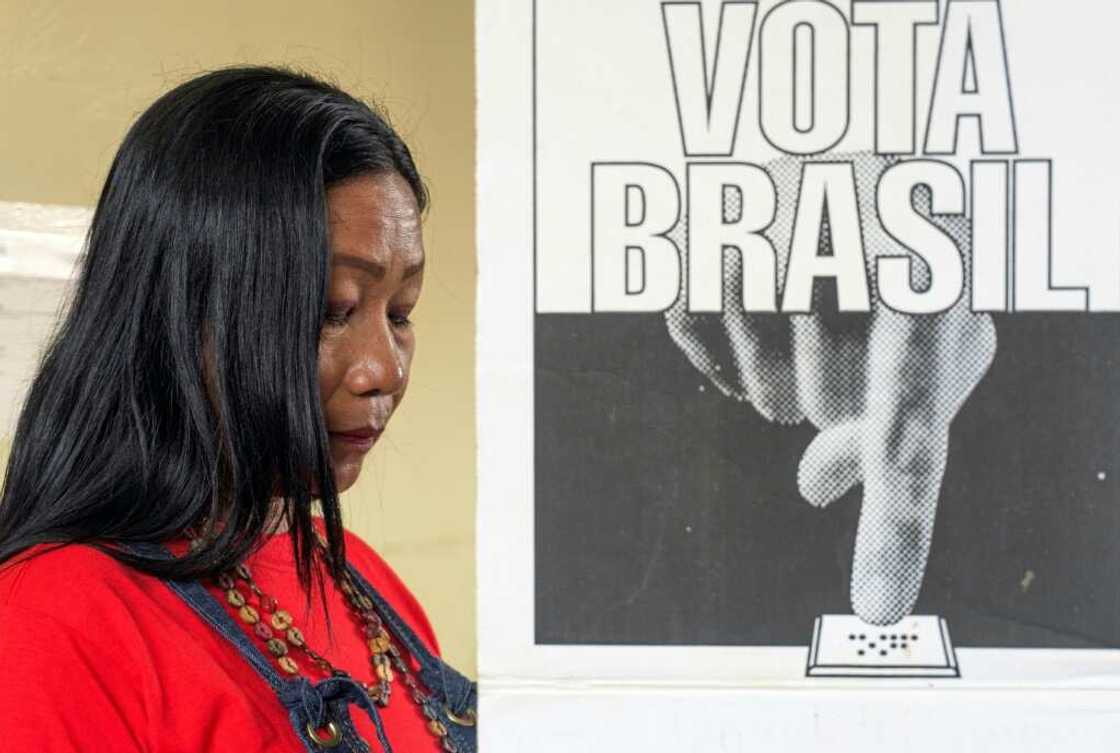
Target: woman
(236, 342)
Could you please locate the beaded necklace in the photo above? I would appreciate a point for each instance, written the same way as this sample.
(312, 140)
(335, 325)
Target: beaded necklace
(284, 640)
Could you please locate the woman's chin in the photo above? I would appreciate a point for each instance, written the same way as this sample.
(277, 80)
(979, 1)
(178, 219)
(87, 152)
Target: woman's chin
(346, 472)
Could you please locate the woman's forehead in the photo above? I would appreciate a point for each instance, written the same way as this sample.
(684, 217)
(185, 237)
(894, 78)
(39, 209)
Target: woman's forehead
(374, 221)
(385, 195)
(378, 268)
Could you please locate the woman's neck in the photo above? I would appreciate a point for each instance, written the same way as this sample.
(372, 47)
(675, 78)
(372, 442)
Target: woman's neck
(277, 518)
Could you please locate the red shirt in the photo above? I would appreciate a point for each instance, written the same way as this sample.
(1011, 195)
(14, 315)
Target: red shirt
(97, 656)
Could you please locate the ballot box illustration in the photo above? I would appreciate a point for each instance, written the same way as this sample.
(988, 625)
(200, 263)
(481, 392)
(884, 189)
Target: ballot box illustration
(846, 646)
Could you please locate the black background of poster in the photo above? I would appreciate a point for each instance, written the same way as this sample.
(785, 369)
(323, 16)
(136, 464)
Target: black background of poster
(669, 514)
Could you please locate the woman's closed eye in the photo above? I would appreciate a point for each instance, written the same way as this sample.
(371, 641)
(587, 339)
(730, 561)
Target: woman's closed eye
(337, 317)
(341, 316)
(400, 318)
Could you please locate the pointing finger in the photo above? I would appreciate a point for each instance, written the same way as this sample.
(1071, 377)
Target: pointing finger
(905, 444)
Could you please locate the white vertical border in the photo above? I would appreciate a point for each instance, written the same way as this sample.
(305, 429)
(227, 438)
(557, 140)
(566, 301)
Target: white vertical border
(505, 227)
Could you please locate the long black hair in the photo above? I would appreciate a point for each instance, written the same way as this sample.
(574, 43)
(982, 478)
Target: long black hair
(181, 387)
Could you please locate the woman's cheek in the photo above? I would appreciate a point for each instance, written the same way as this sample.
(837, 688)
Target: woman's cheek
(408, 350)
(347, 466)
(329, 371)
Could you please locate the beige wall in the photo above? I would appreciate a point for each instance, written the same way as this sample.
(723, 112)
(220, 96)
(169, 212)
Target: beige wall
(76, 73)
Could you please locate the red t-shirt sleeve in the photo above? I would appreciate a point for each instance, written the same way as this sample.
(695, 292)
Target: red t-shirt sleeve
(64, 687)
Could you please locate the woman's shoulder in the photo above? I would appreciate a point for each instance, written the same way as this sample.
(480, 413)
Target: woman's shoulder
(389, 584)
(62, 574)
(69, 628)
(67, 604)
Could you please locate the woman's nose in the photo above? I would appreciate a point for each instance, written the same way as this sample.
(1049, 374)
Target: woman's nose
(379, 365)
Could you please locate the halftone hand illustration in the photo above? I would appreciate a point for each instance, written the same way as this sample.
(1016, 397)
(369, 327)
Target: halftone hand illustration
(882, 388)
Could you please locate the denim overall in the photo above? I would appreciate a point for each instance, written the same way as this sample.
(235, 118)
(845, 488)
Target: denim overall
(313, 706)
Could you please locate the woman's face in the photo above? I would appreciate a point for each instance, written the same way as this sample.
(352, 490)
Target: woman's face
(367, 340)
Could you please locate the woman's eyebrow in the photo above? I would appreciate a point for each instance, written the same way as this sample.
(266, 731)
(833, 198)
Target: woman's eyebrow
(375, 268)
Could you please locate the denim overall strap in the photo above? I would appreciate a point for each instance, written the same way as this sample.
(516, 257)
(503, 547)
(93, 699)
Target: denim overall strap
(310, 706)
(456, 695)
(329, 699)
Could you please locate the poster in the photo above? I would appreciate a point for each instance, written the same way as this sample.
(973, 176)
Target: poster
(798, 333)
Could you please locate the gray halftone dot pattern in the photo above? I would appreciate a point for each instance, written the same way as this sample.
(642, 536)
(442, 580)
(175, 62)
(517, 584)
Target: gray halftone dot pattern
(703, 337)
(880, 387)
(679, 236)
(745, 355)
(732, 204)
(920, 371)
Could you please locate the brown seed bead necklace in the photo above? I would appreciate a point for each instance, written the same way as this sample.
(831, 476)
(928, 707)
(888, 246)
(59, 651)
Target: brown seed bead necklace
(283, 640)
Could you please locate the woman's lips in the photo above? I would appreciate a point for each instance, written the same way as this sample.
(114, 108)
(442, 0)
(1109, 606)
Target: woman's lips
(360, 439)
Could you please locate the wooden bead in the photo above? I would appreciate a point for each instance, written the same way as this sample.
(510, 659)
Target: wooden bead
(281, 619)
(385, 658)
